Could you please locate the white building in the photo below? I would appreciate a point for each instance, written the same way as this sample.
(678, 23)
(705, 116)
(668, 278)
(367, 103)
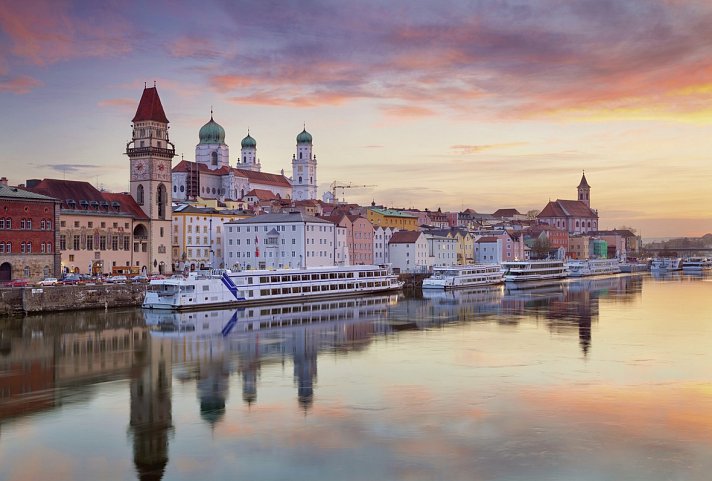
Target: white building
(212, 177)
(488, 250)
(381, 237)
(442, 250)
(272, 241)
(408, 251)
(342, 246)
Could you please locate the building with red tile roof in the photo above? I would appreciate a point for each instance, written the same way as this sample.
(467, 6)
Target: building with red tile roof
(97, 230)
(575, 216)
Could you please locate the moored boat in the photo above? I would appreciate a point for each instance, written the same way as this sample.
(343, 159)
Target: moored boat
(696, 264)
(593, 267)
(452, 277)
(666, 264)
(533, 273)
(217, 288)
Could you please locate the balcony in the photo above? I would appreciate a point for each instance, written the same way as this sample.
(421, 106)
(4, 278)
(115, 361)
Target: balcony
(146, 151)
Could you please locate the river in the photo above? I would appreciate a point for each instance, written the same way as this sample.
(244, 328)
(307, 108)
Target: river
(593, 379)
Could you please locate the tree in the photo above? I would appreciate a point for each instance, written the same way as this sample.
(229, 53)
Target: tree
(541, 247)
(531, 214)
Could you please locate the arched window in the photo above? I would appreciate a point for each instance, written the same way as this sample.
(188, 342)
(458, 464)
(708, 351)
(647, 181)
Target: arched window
(589, 224)
(26, 271)
(577, 224)
(182, 188)
(300, 156)
(139, 194)
(214, 160)
(161, 199)
(244, 158)
(300, 179)
(175, 189)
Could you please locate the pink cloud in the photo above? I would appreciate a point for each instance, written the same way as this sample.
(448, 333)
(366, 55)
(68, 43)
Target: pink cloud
(21, 84)
(407, 111)
(46, 31)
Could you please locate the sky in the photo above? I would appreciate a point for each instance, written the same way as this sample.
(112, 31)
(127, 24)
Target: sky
(451, 104)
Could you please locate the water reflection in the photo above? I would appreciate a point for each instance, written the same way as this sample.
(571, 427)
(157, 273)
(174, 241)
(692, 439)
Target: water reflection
(167, 362)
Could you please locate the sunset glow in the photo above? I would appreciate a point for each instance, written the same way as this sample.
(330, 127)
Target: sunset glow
(480, 105)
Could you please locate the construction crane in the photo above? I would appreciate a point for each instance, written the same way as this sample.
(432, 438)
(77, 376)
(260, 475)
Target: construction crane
(345, 185)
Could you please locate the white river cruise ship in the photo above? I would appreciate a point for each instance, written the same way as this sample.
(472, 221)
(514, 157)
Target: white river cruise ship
(527, 274)
(593, 267)
(452, 277)
(216, 288)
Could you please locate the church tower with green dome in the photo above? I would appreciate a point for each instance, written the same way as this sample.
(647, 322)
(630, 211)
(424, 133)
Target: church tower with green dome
(304, 168)
(212, 150)
(248, 154)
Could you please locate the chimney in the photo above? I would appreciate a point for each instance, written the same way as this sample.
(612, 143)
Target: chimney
(3, 180)
(31, 183)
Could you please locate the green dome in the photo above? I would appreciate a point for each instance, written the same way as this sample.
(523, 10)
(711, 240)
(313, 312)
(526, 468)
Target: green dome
(304, 137)
(212, 133)
(248, 142)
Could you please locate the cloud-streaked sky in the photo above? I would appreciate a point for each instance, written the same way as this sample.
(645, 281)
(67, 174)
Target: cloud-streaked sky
(482, 104)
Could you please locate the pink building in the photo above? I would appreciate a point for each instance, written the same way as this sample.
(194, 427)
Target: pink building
(359, 236)
(498, 246)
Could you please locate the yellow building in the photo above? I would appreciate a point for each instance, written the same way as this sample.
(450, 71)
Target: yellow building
(392, 218)
(198, 236)
(579, 247)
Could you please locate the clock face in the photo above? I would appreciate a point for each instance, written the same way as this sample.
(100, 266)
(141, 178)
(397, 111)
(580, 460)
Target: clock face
(161, 171)
(139, 169)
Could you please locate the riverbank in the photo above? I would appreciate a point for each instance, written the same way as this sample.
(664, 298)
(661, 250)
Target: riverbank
(16, 301)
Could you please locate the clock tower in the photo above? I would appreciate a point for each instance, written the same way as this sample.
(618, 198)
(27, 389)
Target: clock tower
(150, 154)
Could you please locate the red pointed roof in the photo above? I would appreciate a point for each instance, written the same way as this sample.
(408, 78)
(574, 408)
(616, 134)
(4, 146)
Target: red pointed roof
(149, 107)
(583, 182)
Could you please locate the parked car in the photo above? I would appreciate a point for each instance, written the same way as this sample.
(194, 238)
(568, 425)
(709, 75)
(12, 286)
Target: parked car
(71, 279)
(49, 281)
(139, 278)
(17, 283)
(116, 279)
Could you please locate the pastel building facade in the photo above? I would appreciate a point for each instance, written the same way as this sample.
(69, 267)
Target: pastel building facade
(273, 241)
(442, 250)
(392, 218)
(198, 236)
(381, 238)
(408, 251)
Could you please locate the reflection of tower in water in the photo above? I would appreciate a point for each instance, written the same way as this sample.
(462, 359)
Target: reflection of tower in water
(304, 354)
(213, 388)
(151, 419)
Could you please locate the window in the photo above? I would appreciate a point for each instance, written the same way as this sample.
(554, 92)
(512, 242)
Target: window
(102, 242)
(90, 242)
(115, 242)
(75, 242)
(62, 243)
(139, 194)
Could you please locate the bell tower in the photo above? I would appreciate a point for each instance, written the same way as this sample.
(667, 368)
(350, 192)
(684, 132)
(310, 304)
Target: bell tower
(584, 191)
(304, 168)
(150, 153)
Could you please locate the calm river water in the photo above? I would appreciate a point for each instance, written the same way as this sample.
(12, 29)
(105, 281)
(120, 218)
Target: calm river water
(605, 379)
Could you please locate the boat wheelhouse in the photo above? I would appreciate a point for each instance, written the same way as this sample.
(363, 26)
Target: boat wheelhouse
(225, 288)
(452, 277)
(695, 264)
(593, 267)
(526, 274)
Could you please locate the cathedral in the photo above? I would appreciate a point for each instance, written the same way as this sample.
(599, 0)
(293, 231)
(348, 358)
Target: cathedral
(211, 176)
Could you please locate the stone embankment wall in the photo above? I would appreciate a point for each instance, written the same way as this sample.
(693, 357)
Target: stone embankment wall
(69, 298)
